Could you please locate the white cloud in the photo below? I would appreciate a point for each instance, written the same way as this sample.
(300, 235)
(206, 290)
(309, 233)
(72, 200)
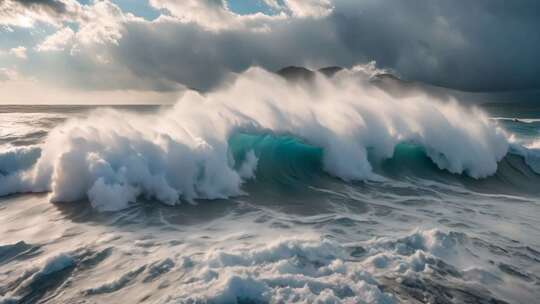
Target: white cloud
(307, 8)
(57, 41)
(19, 52)
(215, 15)
(100, 23)
(211, 14)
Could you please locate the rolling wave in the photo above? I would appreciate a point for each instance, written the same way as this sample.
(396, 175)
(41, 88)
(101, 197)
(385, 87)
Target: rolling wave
(289, 161)
(262, 127)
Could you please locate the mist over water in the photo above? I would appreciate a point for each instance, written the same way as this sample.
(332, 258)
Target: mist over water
(265, 190)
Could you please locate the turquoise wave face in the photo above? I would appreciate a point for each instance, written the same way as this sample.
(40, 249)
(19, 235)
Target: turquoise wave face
(290, 162)
(286, 159)
(281, 158)
(408, 159)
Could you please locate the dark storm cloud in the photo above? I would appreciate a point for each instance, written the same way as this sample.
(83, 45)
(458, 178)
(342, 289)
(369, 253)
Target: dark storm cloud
(481, 45)
(54, 6)
(469, 45)
(199, 59)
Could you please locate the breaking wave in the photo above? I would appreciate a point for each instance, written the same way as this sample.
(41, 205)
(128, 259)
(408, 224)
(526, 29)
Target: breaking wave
(258, 126)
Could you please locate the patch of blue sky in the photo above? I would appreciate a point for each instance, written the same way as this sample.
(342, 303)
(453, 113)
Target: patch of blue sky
(140, 8)
(247, 7)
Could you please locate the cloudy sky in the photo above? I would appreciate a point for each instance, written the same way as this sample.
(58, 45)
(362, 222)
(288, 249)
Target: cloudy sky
(118, 51)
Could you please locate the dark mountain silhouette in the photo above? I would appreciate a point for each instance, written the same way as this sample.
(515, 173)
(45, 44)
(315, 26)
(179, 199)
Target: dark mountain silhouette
(295, 73)
(301, 73)
(330, 71)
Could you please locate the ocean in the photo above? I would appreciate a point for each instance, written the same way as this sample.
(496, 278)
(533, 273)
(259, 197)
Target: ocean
(271, 192)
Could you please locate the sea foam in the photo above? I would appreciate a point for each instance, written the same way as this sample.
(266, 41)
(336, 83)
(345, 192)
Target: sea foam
(318, 270)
